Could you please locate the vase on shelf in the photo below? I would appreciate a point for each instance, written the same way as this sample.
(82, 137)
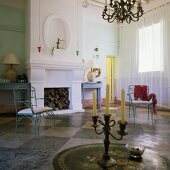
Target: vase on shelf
(91, 76)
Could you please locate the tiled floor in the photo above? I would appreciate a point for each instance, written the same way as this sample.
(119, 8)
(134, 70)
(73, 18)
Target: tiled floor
(25, 151)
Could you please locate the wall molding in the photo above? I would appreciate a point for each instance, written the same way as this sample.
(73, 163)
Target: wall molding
(13, 28)
(108, 42)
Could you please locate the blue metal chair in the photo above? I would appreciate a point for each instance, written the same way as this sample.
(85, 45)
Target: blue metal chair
(133, 103)
(26, 107)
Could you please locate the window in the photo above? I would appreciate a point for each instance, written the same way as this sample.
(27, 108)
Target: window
(151, 48)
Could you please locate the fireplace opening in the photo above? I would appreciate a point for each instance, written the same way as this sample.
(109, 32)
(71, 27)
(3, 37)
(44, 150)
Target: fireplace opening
(59, 97)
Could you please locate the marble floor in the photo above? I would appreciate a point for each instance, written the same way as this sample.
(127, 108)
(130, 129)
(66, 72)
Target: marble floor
(27, 152)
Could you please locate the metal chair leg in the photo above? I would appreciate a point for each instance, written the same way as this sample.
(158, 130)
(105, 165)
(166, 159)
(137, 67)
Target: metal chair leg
(16, 125)
(134, 112)
(18, 118)
(129, 109)
(37, 121)
(53, 119)
(152, 112)
(148, 111)
(51, 115)
(35, 126)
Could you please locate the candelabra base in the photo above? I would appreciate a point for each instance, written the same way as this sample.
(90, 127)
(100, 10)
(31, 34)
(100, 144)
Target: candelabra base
(122, 133)
(107, 163)
(122, 128)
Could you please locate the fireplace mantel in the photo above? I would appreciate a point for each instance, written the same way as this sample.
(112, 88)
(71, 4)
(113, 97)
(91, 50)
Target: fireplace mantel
(58, 73)
(57, 64)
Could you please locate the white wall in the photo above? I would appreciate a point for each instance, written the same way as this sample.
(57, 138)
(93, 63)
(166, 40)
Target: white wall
(92, 32)
(127, 72)
(15, 3)
(154, 4)
(65, 9)
(97, 32)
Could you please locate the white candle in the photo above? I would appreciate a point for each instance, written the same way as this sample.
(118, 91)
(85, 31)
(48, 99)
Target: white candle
(94, 104)
(107, 99)
(123, 106)
(105, 2)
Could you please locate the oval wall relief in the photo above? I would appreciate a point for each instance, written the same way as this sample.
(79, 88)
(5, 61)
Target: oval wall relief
(56, 30)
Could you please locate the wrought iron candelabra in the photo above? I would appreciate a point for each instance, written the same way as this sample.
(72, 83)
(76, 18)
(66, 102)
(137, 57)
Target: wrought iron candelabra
(108, 161)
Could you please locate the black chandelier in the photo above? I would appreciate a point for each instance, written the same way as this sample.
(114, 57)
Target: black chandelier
(122, 10)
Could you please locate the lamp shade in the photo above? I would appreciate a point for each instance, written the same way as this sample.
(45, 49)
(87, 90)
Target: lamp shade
(11, 59)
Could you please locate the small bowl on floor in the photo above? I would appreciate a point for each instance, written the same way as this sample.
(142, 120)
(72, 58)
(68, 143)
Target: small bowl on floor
(135, 151)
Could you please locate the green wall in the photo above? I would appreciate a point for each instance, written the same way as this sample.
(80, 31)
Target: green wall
(12, 36)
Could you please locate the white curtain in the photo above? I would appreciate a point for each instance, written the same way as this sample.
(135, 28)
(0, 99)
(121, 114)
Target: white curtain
(127, 71)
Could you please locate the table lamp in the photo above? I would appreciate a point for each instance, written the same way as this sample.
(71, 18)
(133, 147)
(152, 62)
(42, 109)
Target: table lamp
(11, 72)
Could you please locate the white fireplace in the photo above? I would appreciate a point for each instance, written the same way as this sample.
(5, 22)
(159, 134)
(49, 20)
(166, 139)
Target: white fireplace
(57, 74)
(56, 66)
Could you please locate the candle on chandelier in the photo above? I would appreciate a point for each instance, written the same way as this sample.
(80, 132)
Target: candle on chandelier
(122, 106)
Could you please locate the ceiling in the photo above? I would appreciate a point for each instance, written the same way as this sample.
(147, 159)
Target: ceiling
(147, 4)
(103, 1)
(144, 1)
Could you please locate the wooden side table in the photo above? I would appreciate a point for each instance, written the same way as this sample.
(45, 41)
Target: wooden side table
(6, 95)
(96, 86)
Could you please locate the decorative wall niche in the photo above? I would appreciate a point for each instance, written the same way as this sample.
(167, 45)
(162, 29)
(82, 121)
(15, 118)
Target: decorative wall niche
(56, 33)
